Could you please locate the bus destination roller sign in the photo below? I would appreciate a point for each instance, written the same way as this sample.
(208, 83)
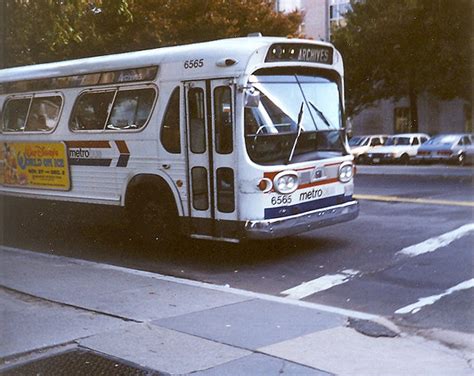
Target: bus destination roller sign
(306, 53)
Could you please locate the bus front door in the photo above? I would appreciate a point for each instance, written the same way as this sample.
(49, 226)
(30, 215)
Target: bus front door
(210, 149)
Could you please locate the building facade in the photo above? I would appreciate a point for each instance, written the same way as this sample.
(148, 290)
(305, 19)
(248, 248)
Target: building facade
(385, 116)
(434, 117)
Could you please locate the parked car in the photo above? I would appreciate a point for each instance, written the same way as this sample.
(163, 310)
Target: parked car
(398, 148)
(447, 148)
(361, 145)
(469, 158)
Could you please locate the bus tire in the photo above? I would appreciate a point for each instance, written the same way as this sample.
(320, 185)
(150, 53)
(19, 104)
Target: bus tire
(154, 219)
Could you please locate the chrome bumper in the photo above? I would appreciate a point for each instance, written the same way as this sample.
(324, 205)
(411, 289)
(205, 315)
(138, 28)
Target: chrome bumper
(281, 227)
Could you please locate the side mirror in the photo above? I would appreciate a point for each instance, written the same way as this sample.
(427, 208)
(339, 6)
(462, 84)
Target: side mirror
(252, 97)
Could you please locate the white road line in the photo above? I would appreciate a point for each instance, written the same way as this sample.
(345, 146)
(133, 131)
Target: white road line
(319, 284)
(433, 244)
(422, 302)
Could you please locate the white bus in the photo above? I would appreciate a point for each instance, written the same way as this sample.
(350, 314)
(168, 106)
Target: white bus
(232, 139)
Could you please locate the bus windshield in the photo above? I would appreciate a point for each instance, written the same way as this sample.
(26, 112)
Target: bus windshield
(299, 118)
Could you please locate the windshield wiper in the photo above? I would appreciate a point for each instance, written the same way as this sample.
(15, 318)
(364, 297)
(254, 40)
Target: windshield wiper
(321, 115)
(300, 129)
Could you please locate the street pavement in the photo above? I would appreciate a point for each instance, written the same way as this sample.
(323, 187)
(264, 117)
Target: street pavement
(417, 170)
(52, 305)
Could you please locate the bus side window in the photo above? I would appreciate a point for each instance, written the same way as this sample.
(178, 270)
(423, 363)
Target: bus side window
(200, 188)
(225, 190)
(44, 114)
(15, 114)
(196, 120)
(131, 109)
(170, 132)
(223, 119)
(90, 111)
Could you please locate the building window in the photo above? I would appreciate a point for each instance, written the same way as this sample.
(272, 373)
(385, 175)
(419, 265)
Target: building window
(402, 119)
(468, 118)
(337, 12)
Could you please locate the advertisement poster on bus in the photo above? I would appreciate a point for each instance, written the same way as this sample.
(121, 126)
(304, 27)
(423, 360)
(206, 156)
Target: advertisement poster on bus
(41, 165)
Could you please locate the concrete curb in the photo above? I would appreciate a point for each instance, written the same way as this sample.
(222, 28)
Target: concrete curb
(222, 288)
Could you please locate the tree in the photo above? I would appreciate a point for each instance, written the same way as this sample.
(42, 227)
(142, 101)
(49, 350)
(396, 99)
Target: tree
(52, 30)
(401, 48)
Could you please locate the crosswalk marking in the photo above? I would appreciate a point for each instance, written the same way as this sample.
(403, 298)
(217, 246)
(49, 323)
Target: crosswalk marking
(428, 300)
(328, 281)
(320, 284)
(433, 244)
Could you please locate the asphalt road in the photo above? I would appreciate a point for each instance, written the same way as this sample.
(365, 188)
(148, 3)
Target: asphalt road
(409, 255)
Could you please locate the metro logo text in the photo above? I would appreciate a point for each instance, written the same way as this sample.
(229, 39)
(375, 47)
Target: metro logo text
(309, 195)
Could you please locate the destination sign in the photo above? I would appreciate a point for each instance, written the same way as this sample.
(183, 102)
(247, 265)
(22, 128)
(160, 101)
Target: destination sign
(307, 53)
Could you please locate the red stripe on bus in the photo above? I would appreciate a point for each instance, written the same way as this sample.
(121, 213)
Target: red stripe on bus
(89, 144)
(122, 146)
(332, 164)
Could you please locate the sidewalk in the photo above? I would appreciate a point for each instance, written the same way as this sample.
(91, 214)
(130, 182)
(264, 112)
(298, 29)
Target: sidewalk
(60, 312)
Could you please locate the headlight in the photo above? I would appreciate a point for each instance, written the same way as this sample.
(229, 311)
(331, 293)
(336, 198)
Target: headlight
(286, 182)
(346, 172)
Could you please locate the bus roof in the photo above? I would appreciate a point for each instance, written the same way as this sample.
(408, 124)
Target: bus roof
(239, 49)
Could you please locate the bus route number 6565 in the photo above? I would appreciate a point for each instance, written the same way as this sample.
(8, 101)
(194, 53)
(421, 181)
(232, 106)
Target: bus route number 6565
(281, 200)
(193, 63)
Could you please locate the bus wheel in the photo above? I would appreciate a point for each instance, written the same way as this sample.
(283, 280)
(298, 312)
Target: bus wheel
(154, 221)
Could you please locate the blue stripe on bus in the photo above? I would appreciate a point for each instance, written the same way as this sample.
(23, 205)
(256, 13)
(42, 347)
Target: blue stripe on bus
(283, 211)
(90, 162)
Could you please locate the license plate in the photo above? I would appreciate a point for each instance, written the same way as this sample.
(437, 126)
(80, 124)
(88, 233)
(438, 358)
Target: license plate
(376, 160)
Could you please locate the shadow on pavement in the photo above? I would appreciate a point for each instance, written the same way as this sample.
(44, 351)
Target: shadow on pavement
(101, 233)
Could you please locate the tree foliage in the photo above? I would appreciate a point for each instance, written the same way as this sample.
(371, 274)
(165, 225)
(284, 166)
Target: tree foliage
(400, 48)
(51, 30)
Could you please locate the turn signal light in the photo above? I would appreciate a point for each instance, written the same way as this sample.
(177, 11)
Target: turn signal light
(265, 185)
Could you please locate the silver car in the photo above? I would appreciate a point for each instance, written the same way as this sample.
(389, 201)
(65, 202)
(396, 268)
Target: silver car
(447, 148)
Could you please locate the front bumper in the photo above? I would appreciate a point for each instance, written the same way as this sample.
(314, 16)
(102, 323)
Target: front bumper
(435, 158)
(295, 224)
(380, 158)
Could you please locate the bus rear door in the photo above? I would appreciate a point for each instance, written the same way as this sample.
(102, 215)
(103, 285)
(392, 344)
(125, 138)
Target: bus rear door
(210, 148)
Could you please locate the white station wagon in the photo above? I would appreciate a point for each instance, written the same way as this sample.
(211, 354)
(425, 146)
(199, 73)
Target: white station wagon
(398, 148)
(362, 145)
